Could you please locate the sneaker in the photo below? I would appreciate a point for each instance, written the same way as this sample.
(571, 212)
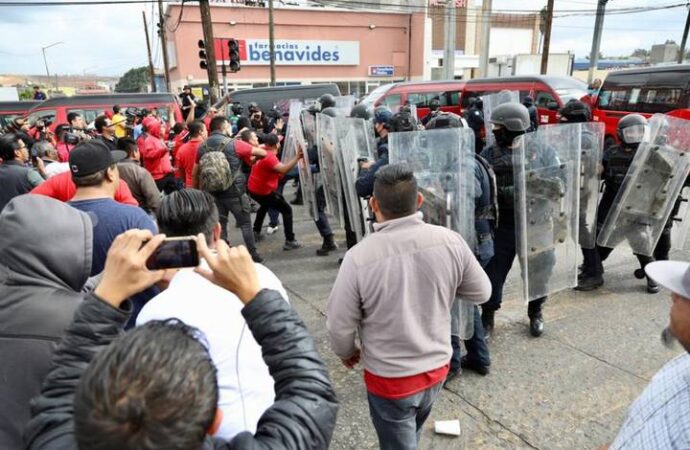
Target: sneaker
(272, 229)
(291, 245)
(652, 287)
(257, 258)
(258, 237)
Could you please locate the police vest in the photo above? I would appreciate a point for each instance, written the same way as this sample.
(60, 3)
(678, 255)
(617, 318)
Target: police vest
(618, 163)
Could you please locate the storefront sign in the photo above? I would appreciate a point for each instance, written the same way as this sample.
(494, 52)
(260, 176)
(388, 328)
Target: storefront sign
(381, 71)
(255, 52)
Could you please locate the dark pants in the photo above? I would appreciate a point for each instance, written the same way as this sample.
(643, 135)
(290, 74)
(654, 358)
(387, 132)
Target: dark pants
(276, 201)
(168, 184)
(398, 423)
(350, 235)
(322, 223)
(476, 346)
(273, 213)
(241, 211)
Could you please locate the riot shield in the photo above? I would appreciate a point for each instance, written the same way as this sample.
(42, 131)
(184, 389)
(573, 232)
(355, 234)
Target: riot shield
(648, 195)
(293, 122)
(591, 150)
(444, 165)
(547, 181)
(294, 138)
(490, 103)
(350, 143)
(345, 102)
(327, 144)
(309, 127)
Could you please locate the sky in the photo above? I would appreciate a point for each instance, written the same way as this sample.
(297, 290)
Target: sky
(109, 40)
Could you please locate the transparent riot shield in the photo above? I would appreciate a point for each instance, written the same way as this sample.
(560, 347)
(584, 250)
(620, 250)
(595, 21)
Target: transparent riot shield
(547, 182)
(345, 102)
(327, 145)
(350, 143)
(294, 139)
(649, 193)
(309, 127)
(490, 103)
(591, 152)
(444, 165)
(293, 122)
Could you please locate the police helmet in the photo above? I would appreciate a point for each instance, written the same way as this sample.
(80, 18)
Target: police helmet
(330, 111)
(512, 116)
(528, 101)
(435, 104)
(314, 108)
(445, 120)
(402, 121)
(327, 101)
(236, 108)
(575, 111)
(631, 128)
(361, 111)
(478, 103)
(382, 115)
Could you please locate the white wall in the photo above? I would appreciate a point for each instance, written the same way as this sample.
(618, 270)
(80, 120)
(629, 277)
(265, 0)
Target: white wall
(510, 41)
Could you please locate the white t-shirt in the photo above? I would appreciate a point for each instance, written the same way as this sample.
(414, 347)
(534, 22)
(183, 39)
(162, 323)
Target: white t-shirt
(56, 168)
(217, 313)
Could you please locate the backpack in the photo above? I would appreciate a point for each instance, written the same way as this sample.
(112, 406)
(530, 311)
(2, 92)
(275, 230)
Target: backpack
(214, 169)
(489, 212)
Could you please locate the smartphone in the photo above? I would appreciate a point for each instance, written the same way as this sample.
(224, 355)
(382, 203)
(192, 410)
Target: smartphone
(174, 253)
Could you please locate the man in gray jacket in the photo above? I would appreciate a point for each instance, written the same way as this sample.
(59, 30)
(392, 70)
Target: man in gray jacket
(397, 287)
(45, 259)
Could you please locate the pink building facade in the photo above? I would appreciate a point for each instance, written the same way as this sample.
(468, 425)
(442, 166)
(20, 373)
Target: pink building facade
(357, 50)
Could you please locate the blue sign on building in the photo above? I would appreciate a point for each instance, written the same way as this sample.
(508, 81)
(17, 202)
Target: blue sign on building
(381, 71)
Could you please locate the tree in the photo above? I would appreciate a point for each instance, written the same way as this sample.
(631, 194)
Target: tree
(134, 80)
(640, 53)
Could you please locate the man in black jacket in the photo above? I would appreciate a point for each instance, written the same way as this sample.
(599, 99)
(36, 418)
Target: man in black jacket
(155, 387)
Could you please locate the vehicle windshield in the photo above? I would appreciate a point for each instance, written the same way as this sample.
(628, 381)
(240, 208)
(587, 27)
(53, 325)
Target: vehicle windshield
(567, 94)
(376, 94)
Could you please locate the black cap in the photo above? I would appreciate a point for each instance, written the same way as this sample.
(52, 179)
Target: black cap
(91, 157)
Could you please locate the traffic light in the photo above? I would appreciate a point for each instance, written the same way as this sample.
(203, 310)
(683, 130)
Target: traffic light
(234, 55)
(203, 58)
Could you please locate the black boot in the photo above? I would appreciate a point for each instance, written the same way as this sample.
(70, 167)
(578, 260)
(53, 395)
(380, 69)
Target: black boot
(328, 246)
(298, 198)
(652, 287)
(536, 319)
(488, 322)
(589, 282)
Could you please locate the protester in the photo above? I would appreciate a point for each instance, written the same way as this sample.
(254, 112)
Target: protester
(138, 179)
(403, 326)
(66, 141)
(77, 125)
(156, 157)
(105, 132)
(15, 177)
(49, 265)
(246, 387)
(263, 187)
(119, 122)
(178, 135)
(156, 387)
(61, 187)
(39, 94)
(186, 155)
(45, 151)
(188, 103)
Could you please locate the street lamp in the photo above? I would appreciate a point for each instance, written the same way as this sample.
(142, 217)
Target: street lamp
(45, 61)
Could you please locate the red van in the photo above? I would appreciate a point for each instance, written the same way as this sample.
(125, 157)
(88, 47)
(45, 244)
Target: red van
(55, 110)
(645, 91)
(418, 93)
(11, 110)
(549, 92)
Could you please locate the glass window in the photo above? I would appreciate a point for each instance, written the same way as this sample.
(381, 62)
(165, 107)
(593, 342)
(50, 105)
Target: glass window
(392, 101)
(89, 115)
(543, 99)
(634, 95)
(661, 100)
(450, 98)
(47, 115)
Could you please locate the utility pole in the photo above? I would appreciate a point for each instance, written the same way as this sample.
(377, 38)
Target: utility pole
(164, 44)
(152, 73)
(449, 40)
(271, 42)
(212, 70)
(685, 37)
(486, 38)
(547, 37)
(596, 41)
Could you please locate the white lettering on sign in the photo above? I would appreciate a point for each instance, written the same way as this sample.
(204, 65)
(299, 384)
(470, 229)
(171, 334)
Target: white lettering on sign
(255, 52)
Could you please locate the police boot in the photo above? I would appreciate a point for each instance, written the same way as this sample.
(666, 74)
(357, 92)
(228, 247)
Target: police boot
(588, 282)
(536, 320)
(652, 287)
(328, 245)
(298, 198)
(488, 322)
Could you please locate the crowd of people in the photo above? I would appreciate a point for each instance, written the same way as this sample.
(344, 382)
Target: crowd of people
(100, 351)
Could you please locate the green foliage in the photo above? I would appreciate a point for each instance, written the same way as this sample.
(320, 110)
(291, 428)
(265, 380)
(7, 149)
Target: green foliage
(26, 94)
(134, 80)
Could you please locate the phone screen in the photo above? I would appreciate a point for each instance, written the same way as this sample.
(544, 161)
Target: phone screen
(174, 253)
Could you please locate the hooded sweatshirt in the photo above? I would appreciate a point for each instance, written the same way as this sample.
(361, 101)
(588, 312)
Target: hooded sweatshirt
(45, 260)
(155, 156)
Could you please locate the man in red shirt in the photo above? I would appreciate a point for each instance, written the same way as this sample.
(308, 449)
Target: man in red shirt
(263, 187)
(156, 157)
(186, 155)
(61, 187)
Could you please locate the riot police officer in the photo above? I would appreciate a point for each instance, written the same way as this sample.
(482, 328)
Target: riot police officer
(616, 162)
(509, 121)
(382, 126)
(327, 101)
(533, 113)
(474, 116)
(322, 222)
(434, 107)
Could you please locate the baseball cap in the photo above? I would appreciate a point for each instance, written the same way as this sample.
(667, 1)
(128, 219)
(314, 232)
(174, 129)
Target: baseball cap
(93, 156)
(673, 275)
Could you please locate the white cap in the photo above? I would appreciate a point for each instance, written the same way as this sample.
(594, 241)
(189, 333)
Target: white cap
(673, 275)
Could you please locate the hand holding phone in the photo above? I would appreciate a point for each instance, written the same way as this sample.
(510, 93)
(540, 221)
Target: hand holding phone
(174, 253)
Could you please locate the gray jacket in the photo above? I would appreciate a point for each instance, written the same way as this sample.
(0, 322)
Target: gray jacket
(16, 179)
(45, 259)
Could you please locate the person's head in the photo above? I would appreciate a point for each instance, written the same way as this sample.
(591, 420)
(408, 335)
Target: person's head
(12, 148)
(509, 120)
(44, 150)
(330, 112)
(528, 101)
(254, 108)
(382, 118)
(19, 124)
(435, 104)
(675, 276)
(596, 84)
(445, 120)
(188, 212)
(60, 130)
(93, 165)
(632, 129)
(575, 111)
(211, 112)
(395, 193)
(402, 121)
(197, 130)
(153, 387)
(479, 103)
(76, 121)
(327, 101)
(178, 128)
(361, 111)
(243, 122)
(187, 90)
(129, 146)
(220, 123)
(250, 137)
(236, 109)
(104, 126)
(270, 141)
(116, 109)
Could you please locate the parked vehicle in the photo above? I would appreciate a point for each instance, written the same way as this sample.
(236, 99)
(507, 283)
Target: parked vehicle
(11, 110)
(419, 94)
(270, 97)
(645, 91)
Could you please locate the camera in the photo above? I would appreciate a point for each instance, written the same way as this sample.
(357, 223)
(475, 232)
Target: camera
(70, 138)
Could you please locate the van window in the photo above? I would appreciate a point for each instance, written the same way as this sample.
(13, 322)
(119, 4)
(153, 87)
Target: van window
(660, 100)
(47, 115)
(89, 115)
(392, 101)
(640, 99)
(543, 99)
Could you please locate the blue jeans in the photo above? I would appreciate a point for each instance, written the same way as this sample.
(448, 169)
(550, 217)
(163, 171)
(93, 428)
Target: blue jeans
(398, 423)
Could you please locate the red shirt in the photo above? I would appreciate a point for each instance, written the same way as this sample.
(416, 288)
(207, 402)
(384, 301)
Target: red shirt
(397, 388)
(263, 180)
(243, 151)
(61, 187)
(186, 159)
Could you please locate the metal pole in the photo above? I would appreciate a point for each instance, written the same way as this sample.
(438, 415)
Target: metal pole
(271, 42)
(486, 38)
(164, 44)
(596, 41)
(45, 61)
(681, 54)
(152, 73)
(449, 40)
(547, 37)
(212, 70)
